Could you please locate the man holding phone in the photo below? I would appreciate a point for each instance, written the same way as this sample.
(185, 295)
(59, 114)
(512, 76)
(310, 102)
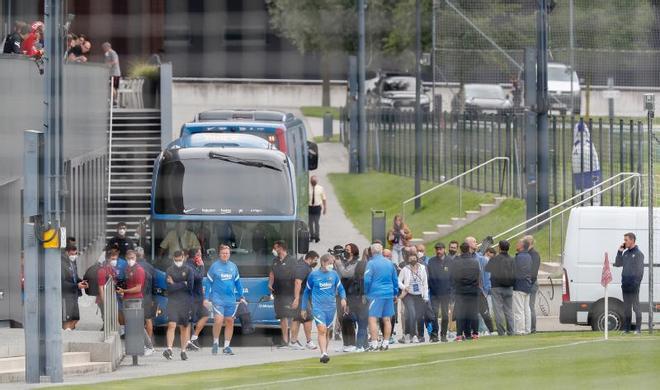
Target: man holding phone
(632, 260)
(72, 288)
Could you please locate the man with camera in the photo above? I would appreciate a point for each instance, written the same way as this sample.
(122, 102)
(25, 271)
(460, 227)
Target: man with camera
(346, 260)
(632, 260)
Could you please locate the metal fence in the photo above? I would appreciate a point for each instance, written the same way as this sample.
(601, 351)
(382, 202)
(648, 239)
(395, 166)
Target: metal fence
(110, 309)
(454, 143)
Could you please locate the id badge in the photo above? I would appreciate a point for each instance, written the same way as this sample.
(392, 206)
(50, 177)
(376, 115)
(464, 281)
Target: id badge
(415, 288)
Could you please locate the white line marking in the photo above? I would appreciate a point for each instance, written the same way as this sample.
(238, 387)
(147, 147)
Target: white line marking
(371, 370)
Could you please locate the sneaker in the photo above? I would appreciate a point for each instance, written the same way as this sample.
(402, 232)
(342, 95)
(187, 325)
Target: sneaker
(283, 346)
(638, 332)
(392, 341)
(384, 347)
(192, 346)
(184, 356)
(415, 340)
(227, 351)
(324, 358)
(310, 345)
(167, 354)
(359, 350)
(402, 340)
(371, 349)
(148, 351)
(475, 336)
(349, 348)
(214, 349)
(296, 345)
(443, 339)
(434, 339)
(458, 338)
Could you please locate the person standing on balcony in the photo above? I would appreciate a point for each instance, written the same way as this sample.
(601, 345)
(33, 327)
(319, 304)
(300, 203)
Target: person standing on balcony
(585, 163)
(112, 62)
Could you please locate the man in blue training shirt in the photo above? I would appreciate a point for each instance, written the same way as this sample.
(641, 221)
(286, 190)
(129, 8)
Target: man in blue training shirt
(323, 285)
(222, 293)
(381, 286)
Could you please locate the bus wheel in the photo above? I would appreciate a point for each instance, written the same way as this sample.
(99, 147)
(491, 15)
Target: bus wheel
(614, 319)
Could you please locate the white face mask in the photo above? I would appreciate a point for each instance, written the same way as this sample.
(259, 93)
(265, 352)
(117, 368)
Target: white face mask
(122, 232)
(73, 258)
(275, 253)
(178, 263)
(420, 254)
(113, 263)
(330, 267)
(131, 263)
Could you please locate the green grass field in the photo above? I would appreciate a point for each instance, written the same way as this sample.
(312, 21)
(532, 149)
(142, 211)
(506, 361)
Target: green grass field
(541, 361)
(319, 111)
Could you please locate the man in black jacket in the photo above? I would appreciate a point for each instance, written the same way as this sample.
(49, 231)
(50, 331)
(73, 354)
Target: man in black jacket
(632, 260)
(440, 290)
(121, 241)
(501, 279)
(536, 264)
(15, 39)
(465, 275)
(522, 270)
(71, 288)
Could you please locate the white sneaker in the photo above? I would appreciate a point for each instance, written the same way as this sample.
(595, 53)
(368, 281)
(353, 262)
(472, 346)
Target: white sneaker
(148, 351)
(310, 345)
(359, 350)
(296, 345)
(415, 340)
(349, 348)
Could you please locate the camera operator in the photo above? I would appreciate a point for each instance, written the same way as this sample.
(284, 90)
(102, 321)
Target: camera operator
(346, 260)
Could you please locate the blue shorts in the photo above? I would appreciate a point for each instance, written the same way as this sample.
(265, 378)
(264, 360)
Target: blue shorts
(225, 310)
(381, 307)
(324, 316)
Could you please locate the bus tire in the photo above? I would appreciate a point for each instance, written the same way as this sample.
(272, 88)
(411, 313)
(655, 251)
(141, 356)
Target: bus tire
(615, 316)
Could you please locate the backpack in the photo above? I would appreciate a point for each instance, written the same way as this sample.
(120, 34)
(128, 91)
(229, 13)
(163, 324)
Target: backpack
(243, 313)
(91, 276)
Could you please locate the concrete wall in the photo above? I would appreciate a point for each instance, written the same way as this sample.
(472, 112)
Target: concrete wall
(86, 119)
(190, 96)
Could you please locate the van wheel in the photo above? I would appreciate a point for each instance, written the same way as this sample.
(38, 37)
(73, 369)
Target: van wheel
(615, 318)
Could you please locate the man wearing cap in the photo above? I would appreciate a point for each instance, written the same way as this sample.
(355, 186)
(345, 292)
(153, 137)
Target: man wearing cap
(440, 290)
(121, 241)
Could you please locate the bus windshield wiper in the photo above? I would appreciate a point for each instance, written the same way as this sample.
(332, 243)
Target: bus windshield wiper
(236, 160)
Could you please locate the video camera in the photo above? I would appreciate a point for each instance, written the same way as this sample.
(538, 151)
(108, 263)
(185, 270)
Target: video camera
(338, 252)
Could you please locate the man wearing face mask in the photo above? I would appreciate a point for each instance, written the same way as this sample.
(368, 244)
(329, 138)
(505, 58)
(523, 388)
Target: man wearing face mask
(180, 283)
(200, 312)
(135, 279)
(281, 282)
(114, 268)
(303, 268)
(71, 288)
(120, 241)
(322, 288)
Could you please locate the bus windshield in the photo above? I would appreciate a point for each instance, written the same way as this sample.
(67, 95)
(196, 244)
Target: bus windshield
(250, 242)
(224, 185)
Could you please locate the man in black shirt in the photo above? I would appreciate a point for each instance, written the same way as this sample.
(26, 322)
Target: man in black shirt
(632, 260)
(121, 241)
(71, 288)
(465, 274)
(501, 279)
(536, 264)
(15, 39)
(180, 283)
(303, 268)
(281, 284)
(440, 290)
(200, 313)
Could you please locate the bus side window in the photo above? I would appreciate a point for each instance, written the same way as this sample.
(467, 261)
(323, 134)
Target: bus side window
(302, 147)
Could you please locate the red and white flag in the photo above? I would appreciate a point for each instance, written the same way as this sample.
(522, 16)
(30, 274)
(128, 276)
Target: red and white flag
(606, 276)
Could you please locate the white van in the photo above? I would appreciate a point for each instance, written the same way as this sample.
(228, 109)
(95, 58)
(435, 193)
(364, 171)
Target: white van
(559, 89)
(591, 232)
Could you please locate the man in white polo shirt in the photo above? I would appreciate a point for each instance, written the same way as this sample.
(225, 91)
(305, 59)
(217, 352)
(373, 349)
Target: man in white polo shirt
(317, 205)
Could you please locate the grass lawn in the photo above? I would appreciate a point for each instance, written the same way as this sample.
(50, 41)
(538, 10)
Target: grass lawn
(359, 194)
(320, 139)
(319, 111)
(542, 361)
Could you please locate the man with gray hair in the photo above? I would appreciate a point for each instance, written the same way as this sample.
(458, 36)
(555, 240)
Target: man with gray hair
(536, 264)
(381, 286)
(522, 270)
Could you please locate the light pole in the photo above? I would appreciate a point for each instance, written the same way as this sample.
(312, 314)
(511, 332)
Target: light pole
(649, 105)
(362, 114)
(418, 108)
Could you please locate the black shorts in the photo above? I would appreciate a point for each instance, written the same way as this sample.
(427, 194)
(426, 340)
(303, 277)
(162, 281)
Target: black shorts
(199, 311)
(70, 311)
(283, 307)
(297, 316)
(115, 82)
(179, 313)
(149, 307)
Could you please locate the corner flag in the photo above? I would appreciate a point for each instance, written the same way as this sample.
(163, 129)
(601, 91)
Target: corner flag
(606, 276)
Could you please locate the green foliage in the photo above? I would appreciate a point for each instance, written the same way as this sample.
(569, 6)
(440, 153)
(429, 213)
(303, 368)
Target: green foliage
(144, 70)
(319, 111)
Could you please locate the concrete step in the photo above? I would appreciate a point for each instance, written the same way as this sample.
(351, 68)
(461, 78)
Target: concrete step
(430, 236)
(487, 207)
(472, 215)
(458, 222)
(416, 241)
(443, 230)
(499, 199)
(550, 267)
(75, 363)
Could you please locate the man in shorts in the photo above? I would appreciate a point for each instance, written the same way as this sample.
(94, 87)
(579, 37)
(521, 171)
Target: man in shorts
(303, 268)
(323, 286)
(179, 301)
(281, 281)
(381, 286)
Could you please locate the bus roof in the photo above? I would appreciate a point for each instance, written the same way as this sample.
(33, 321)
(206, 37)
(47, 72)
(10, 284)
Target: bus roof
(248, 115)
(223, 140)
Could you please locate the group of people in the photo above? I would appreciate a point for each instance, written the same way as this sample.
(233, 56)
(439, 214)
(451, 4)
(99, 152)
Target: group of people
(26, 39)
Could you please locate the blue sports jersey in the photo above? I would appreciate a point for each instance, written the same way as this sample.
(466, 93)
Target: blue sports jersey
(380, 280)
(324, 287)
(224, 283)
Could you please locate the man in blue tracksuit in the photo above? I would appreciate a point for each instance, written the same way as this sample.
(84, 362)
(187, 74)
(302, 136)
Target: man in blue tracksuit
(323, 285)
(223, 291)
(381, 286)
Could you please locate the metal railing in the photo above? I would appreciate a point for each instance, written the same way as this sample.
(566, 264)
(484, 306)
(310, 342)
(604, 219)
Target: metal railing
(110, 309)
(459, 178)
(581, 198)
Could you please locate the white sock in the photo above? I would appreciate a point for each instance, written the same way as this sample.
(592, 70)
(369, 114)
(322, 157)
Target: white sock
(194, 337)
(227, 343)
(324, 354)
(216, 341)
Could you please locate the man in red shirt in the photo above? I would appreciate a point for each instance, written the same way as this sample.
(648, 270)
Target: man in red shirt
(29, 45)
(134, 281)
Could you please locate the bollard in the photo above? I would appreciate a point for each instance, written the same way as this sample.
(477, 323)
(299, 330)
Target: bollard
(327, 126)
(378, 224)
(134, 328)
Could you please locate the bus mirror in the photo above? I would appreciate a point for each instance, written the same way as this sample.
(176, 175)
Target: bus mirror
(303, 239)
(312, 155)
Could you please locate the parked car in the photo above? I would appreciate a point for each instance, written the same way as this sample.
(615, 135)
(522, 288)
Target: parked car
(397, 91)
(482, 98)
(559, 88)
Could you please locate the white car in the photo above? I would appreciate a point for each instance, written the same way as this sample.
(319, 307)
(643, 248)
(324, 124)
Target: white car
(591, 232)
(559, 89)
